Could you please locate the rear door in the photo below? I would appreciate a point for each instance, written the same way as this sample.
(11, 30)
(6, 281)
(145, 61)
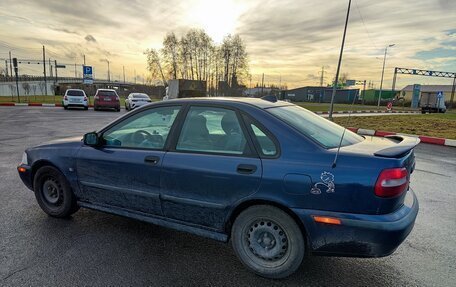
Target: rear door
(211, 166)
(125, 171)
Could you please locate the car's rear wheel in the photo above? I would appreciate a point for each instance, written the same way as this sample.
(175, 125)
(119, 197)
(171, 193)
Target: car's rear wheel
(65, 107)
(53, 192)
(268, 241)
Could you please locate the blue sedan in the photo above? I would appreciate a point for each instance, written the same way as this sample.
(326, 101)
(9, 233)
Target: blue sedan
(273, 178)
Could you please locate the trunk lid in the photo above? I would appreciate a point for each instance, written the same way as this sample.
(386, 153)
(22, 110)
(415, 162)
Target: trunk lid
(367, 160)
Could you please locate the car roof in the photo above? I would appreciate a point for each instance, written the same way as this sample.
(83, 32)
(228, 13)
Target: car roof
(258, 102)
(75, 90)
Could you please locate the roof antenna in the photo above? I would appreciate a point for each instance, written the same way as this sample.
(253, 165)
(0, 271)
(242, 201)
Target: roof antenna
(343, 133)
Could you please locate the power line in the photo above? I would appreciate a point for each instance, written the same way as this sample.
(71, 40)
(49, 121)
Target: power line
(364, 24)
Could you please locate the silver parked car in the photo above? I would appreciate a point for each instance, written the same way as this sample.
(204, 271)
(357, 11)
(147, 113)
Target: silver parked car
(136, 100)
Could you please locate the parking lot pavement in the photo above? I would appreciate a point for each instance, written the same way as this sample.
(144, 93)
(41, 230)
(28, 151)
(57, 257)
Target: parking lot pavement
(94, 248)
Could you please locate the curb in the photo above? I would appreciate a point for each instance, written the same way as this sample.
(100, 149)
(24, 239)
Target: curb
(424, 139)
(34, 105)
(369, 112)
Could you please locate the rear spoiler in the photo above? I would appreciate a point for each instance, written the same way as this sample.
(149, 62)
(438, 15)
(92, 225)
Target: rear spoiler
(404, 145)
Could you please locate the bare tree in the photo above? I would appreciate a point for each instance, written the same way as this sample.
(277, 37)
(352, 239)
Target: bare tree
(170, 53)
(154, 65)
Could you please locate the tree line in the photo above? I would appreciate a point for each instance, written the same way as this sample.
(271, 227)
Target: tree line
(195, 56)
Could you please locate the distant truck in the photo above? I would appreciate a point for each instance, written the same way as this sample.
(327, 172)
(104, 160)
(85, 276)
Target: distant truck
(182, 88)
(432, 103)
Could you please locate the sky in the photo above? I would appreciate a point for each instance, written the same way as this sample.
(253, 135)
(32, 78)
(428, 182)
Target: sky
(290, 41)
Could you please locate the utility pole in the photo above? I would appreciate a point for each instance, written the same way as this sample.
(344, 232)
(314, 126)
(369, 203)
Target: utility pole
(364, 90)
(135, 76)
(6, 69)
(331, 108)
(11, 65)
(383, 71)
(50, 69)
(44, 71)
(84, 56)
(56, 78)
(322, 75)
(17, 78)
(262, 85)
(109, 73)
(123, 68)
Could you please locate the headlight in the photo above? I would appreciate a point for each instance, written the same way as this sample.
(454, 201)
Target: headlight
(24, 159)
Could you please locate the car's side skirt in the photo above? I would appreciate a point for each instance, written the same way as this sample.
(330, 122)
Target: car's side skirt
(166, 222)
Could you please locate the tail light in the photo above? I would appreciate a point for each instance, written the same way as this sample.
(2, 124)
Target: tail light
(65, 98)
(391, 182)
(85, 98)
(97, 97)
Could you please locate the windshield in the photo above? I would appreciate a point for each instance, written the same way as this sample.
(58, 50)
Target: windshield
(75, 93)
(319, 129)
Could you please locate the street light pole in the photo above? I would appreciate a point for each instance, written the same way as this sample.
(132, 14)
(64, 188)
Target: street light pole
(109, 73)
(331, 108)
(383, 72)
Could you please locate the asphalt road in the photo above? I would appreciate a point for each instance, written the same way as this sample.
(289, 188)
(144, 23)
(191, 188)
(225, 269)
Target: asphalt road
(94, 248)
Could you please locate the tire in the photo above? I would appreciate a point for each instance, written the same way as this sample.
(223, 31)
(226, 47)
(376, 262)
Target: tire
(65, 107)
(86, 108)
(261, 227)
(126, 107)
(53, 192)
(118, 109)
(95, 109)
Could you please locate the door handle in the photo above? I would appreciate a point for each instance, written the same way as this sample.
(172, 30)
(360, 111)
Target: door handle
(151, 159)
(246, 168)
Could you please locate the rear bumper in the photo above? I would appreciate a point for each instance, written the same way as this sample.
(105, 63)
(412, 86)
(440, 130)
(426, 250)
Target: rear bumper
(106, 105)
(360, 235)
(69, 104)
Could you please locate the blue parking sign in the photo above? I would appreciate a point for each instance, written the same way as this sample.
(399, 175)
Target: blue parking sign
(87, 74)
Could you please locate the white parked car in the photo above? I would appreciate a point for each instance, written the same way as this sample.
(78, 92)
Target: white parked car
(75, 98)
(136, 100)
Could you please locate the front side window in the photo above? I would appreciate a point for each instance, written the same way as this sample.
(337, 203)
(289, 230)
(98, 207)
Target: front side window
(148, 129)
(212, 130)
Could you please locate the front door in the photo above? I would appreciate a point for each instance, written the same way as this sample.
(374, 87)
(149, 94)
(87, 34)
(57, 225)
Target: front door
(124, 171)
(211, 167)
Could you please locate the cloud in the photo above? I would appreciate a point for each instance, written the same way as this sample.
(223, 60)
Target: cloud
(90, 38)
(288, 39)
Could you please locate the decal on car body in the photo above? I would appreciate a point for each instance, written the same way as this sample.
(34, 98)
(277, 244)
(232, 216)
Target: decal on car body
(327, 180)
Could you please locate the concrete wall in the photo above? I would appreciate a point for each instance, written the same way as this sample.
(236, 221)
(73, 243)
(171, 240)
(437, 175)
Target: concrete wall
(8, 89)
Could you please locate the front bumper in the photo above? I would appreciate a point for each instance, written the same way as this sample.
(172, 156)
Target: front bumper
(25, 173)
(360, 235)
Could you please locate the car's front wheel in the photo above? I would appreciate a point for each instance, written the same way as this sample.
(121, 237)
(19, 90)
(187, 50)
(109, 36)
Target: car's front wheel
(268, 241)
(53, 192)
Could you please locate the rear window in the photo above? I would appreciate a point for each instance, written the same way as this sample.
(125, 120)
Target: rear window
(140, 96)
(75, 93)
(319, 129)
(106, 93)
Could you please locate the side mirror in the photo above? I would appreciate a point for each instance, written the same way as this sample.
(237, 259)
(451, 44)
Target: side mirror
(91, 139)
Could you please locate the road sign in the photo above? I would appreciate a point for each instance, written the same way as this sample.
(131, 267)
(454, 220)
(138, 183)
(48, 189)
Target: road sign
(87, 72)
(439, 95)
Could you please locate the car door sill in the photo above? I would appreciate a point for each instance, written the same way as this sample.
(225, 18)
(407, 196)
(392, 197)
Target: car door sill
(189, 201)
(121, 189)
(158, 220)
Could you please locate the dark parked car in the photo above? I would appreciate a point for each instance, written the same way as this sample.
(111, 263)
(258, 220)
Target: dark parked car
(106, 99)
(260, 173)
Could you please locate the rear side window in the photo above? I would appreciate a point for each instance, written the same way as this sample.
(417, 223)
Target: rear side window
(75, 93)
(212, 130)
(265, 142)
(140, 96)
